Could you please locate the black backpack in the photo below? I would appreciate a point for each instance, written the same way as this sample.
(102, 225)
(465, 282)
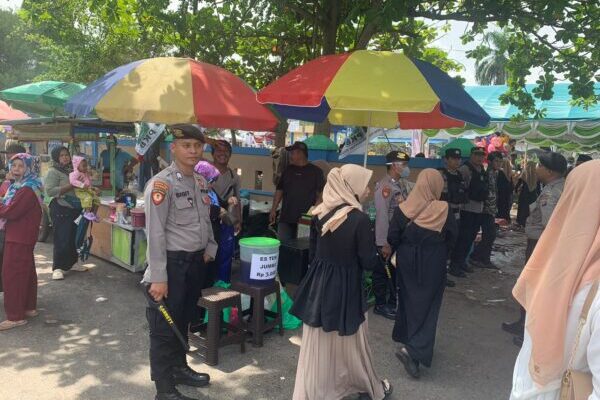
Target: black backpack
(478, 187)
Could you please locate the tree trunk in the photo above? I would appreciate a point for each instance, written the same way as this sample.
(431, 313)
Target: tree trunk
(330, 29)
(193, 32)
(281, 133)
(234, 141)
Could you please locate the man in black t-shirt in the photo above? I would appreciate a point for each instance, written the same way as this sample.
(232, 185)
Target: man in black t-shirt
(298, 190)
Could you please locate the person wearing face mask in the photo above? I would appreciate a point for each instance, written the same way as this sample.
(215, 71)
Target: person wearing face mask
(390, 191)
(335, 358)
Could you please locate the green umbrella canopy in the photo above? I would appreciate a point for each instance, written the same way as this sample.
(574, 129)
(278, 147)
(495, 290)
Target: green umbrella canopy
(465, 146)
(46, 98)
(320, 142)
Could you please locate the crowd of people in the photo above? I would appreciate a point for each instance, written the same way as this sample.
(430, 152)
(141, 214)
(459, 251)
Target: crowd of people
(422, 232)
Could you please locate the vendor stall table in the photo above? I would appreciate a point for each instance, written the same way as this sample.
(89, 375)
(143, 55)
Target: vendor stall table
(121, 244)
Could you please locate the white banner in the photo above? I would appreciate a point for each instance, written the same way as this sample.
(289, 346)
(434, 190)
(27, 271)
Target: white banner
(146, 135)
(356, 142)
(264, 266)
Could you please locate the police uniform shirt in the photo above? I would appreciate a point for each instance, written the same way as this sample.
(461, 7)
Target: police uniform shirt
(542, 209)
(177, 219)
(388, 194)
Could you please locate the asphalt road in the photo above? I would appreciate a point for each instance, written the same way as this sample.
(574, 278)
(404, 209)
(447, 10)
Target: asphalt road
(90, 343)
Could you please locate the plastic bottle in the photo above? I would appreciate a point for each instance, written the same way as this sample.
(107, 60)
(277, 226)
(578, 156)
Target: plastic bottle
(372, 211)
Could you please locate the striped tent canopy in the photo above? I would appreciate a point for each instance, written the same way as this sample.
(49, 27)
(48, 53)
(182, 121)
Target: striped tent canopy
(564, 125)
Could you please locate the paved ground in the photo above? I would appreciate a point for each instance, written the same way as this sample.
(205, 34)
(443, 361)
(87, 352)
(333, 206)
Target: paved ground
(90, 342)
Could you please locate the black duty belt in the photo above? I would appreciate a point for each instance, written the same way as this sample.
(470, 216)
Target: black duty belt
(184, 255)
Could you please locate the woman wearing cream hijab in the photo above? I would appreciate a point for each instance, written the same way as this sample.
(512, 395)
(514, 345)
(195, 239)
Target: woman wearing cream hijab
(421, 232)
(553, 288)
(335, 358)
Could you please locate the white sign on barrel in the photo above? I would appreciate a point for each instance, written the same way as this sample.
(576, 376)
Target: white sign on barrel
(264, 266)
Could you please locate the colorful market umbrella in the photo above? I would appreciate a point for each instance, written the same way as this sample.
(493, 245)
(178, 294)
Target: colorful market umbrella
(8, 113)
(171, 90)
(46, 98)
(370, 88)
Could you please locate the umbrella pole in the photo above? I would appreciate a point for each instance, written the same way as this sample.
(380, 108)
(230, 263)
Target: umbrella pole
(367, 142)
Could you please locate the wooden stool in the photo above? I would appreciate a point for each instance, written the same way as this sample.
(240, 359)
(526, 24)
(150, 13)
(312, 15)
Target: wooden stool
(215, 300)
(258, 326)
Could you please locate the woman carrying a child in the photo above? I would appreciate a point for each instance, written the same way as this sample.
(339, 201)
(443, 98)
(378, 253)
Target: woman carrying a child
(65, 207)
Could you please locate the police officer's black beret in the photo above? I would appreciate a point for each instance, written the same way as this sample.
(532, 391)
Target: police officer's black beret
(583, 158)
(453, 153)
(495, 155)
(396, 156)
(186, 131)
(554, 162)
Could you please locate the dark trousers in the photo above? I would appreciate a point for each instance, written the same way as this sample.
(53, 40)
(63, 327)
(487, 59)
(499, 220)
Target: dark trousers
(225, 253)
(20, 280)
(186, 273)
(467, 232)
(384, 289)
(483, 250)
(64, 251)
(287, 231)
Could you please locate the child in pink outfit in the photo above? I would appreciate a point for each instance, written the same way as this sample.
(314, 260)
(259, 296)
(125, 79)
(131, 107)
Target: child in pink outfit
(81, 181)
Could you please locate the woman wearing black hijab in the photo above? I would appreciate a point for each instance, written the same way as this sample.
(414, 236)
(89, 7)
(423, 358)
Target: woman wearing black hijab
(64, 209)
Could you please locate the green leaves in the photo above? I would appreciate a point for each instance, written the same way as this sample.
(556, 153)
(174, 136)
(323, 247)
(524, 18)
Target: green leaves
(260, 40)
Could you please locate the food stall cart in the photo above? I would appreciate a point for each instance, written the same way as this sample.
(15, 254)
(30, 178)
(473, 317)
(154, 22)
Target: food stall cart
(119, 243)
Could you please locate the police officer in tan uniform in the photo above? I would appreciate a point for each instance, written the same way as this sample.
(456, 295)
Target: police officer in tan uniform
(180, 244)
(390, 191)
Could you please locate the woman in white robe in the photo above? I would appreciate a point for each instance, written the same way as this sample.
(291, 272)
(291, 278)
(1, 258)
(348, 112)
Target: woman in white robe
(553, 288)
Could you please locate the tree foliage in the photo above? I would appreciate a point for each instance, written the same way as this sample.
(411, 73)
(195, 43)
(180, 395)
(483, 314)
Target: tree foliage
(261, 39)
(17, 64)
(491, 58)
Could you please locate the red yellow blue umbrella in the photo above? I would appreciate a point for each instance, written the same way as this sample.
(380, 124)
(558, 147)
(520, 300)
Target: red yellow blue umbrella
(171, 90)
(370, 88)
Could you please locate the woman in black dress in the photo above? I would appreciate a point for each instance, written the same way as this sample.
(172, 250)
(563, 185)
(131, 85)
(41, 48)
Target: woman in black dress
(421, 232)
(529, 190)
(335, 358)
(505, 190)
(65, 207)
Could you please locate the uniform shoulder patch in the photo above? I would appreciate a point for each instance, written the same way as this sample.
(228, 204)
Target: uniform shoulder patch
(159, 192)
(386, 191)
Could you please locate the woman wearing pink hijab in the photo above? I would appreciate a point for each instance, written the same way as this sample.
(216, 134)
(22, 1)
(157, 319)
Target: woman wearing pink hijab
(553, 288)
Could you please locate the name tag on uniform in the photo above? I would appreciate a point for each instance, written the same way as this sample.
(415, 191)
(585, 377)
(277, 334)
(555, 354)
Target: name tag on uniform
(182, 194)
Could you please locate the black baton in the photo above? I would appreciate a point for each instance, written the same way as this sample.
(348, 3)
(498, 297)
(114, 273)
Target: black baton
(164, 311)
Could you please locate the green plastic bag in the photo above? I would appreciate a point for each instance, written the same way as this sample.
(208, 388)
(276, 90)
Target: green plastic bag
(290, 322)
